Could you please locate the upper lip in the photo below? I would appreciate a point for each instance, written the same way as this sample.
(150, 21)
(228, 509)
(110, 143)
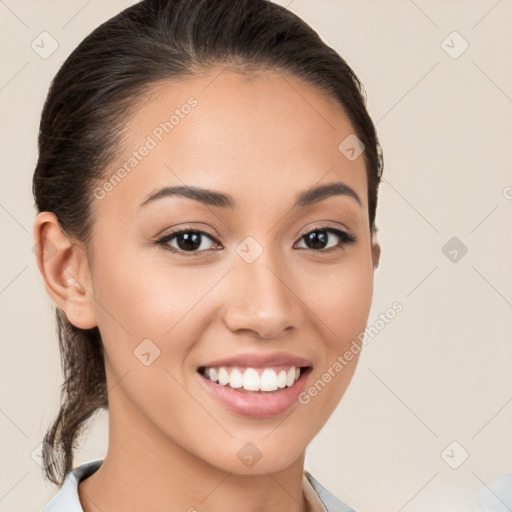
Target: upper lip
(259, 360)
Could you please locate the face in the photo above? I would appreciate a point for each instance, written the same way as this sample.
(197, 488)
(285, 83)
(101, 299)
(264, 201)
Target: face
(264, 280)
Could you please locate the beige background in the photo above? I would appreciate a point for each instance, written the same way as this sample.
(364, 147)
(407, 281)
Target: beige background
(440, 371)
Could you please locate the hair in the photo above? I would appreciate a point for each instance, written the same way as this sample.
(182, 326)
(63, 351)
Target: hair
(89, 100)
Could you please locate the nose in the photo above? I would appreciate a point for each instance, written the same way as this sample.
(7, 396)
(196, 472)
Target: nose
(261, 298)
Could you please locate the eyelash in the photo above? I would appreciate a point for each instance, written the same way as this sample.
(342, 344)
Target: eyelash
(345, 239)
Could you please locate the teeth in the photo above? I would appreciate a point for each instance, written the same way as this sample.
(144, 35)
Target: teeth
(281, 379)
(251, 380)
(223, 376)
(213, 374)
(236, 379)
(290, 377)
(268, 380)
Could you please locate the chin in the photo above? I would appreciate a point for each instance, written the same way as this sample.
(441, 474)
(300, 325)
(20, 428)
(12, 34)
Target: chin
(257, 457)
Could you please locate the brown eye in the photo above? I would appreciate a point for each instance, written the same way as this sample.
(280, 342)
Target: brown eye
(187, 240)
(319, 238)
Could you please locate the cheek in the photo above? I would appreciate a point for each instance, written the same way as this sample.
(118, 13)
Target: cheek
(145, 310)
(144, 294)
(146, 298)
(341, 297)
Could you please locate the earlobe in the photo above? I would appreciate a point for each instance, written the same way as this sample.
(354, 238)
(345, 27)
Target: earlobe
(65, 271)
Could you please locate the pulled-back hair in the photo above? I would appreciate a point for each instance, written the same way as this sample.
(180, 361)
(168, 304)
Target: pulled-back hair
(99, 86)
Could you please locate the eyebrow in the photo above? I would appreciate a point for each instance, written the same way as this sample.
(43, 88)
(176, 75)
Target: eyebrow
(221, 200)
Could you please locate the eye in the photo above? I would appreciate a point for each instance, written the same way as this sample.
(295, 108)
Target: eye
(319, 237)
(194, 241)
(187, 240)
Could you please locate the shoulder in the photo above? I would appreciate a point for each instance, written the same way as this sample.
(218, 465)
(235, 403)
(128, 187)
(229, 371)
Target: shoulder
(66, 500)
(497, 495)
(331, 502)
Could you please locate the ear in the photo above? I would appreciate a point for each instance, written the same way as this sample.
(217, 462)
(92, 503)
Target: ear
(65, 270)
(375, 253)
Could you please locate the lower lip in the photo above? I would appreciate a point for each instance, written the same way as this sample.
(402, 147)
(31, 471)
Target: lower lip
(257, 404)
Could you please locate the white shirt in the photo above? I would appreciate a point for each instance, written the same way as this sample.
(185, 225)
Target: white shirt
(67, 500)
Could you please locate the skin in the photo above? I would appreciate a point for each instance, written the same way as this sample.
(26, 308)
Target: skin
(263, 140)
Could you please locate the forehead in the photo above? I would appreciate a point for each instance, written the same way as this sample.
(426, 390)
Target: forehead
(254, 137)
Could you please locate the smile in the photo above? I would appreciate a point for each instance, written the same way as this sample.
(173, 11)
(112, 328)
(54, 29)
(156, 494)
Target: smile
(256, 387)
(253, 379)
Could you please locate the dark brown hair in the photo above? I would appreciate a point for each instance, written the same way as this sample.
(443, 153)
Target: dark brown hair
(101, 83)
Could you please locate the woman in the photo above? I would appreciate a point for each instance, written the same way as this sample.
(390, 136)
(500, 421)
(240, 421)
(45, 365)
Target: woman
(206, 186)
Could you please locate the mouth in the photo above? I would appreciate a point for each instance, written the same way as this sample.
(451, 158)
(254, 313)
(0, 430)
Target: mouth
(254, 380)
(257, 392)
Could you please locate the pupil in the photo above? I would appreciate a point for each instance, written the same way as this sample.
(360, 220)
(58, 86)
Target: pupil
(317, 239)
(191, 241)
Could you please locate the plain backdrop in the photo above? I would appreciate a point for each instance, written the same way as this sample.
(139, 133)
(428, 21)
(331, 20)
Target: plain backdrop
(426, 422)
